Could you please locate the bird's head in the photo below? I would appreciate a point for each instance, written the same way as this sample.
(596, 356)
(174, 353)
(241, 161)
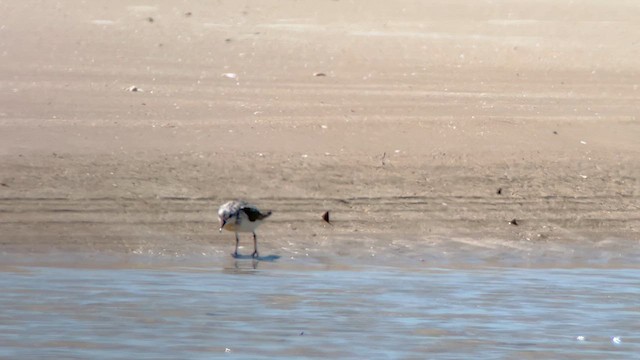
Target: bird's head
(226, 220)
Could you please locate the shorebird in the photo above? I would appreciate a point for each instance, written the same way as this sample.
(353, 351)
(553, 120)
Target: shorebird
(240, 216)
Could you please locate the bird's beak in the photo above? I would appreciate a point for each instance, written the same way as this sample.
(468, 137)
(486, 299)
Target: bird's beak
(222, 223)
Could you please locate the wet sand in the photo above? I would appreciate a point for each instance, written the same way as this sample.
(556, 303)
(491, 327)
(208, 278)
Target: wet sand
(425, 110)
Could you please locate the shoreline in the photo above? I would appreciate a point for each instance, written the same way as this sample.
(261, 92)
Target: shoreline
(456, 217)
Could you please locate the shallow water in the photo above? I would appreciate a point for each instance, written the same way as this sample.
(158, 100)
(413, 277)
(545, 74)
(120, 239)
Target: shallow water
(273, 311)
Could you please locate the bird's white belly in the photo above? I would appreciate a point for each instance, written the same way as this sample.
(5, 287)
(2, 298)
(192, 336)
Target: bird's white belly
(244, 225)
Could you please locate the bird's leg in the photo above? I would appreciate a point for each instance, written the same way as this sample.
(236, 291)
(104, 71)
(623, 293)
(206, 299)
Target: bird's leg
(255, 246)
(237, 242)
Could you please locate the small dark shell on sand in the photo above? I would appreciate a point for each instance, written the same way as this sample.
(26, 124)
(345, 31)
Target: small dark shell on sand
(325, 217)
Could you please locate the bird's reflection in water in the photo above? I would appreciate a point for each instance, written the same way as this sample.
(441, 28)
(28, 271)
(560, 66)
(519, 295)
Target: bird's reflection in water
(246, 264)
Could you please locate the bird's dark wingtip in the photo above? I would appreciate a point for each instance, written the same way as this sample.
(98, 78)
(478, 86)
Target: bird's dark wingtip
(255, 214)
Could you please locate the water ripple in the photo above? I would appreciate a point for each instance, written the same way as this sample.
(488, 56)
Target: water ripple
(366, 312)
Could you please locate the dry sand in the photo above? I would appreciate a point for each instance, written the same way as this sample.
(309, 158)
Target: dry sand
(426, 110)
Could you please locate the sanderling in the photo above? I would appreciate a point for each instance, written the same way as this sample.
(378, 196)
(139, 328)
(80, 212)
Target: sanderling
(240, 216)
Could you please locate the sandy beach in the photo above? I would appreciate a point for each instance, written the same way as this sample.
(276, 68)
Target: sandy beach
(402, 120)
